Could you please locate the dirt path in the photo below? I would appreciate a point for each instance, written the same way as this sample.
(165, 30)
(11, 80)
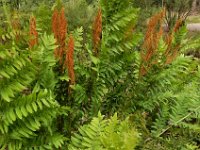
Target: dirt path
(193, 27)
(190, 26)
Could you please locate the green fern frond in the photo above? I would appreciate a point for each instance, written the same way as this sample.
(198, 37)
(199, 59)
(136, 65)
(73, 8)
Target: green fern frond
(105, 134)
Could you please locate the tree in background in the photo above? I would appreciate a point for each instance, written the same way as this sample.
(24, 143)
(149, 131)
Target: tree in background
(176, 9)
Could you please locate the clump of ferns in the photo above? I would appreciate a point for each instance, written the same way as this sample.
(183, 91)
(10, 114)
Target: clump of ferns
(150, 54)
(64, 53)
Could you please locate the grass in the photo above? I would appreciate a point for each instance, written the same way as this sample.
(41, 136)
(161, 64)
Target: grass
(193, 19)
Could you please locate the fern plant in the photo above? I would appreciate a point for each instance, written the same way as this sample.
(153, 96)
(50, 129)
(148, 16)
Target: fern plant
(27, 105)
(107, 55)
(106, 134)
(55, 84)
(166, 91)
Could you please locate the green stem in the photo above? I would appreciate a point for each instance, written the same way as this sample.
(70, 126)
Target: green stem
(177, 122)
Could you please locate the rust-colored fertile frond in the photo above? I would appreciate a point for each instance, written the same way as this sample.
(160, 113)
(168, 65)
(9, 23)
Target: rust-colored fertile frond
(168, 42)
(33, 32)
(69, 60)
(62, 33)
(153, 34)
(172, 50)
(178, 24)
(171, 56)
(16, 27)
(55, 27)
(55, 23)
(59, 28)
(15, 24)
(63, 24)
(97, 31)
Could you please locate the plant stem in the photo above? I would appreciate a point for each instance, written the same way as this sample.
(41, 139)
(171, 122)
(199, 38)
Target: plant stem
(177, 122)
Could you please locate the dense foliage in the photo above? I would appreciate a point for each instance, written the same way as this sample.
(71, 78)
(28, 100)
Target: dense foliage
(62, 66)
